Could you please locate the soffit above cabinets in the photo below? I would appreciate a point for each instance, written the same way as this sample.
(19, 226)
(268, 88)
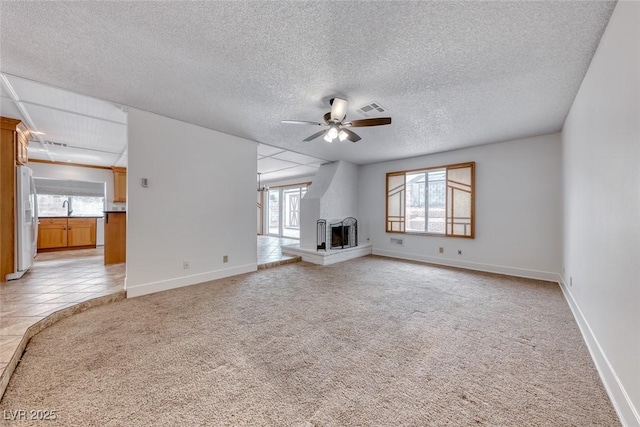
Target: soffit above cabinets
(67, 127)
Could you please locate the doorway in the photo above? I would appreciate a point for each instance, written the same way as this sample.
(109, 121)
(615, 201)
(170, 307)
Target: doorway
(283, 211)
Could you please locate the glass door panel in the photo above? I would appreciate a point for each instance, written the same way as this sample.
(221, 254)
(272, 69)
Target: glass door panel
(273, 212)
(291, 217)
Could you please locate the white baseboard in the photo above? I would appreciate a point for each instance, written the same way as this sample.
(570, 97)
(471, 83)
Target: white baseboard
(178, 282)
(489, 268)
(625, 409)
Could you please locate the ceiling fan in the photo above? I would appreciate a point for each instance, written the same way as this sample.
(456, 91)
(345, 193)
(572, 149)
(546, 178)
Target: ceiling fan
(337, 127)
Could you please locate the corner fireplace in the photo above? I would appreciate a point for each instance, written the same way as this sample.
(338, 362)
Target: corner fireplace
(340, 235)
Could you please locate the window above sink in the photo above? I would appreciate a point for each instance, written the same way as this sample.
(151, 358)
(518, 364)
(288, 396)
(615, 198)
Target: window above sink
(61, 198)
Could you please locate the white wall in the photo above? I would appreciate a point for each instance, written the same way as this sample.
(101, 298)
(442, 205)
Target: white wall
(601, 152)
(46, 170)
(200, 204)
(517, 210)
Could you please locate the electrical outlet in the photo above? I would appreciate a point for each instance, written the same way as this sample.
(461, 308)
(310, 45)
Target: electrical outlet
(570, 281)
(440, 250)
(185, 265)
(225, 258)
(459, 251)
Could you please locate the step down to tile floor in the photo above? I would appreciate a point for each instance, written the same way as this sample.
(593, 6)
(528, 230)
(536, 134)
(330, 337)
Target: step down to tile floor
(280, 262)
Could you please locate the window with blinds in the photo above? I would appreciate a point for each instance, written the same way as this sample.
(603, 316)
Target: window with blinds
(437, 201)
(62, 197)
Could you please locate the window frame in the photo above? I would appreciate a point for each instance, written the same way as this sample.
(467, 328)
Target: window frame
(403, 208)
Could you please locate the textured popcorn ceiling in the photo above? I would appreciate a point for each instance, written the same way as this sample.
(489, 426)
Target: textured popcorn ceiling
(451, 74)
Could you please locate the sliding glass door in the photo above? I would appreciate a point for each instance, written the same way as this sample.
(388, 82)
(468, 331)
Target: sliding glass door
(273, 212)
(283, 216)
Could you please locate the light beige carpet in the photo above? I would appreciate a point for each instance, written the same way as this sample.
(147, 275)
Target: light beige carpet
(371, 341)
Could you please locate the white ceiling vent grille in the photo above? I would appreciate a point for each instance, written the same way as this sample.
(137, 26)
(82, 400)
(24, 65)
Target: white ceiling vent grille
(371, 109)
(57, 144)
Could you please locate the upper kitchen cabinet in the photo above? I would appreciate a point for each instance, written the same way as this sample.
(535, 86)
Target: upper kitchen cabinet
(17, 139)
(119, 184)
(21, 145)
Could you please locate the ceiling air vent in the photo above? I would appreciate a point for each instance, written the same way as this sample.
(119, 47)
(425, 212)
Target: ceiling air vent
(371, 109)
(57, 144)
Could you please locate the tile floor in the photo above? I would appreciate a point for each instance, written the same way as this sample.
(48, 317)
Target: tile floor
(269, 249)
(56, 280)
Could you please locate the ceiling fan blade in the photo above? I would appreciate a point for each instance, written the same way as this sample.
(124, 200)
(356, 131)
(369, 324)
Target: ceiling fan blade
(369, 122)
(302, 122)
(352, 136)
(315, 135)
(339, 109)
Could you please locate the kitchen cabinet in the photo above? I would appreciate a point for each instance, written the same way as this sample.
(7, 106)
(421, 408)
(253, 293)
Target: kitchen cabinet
(119, 184)
(21, 145)
(81, 232)
(52, 233)
(115, 237)
(10, 136)
(7, 195)
(66, 233)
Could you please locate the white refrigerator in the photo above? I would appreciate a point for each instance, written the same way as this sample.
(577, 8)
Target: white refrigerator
(26, 222)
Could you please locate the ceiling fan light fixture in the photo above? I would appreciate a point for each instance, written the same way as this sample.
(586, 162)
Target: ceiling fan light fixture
(333, 133)
(338, 127)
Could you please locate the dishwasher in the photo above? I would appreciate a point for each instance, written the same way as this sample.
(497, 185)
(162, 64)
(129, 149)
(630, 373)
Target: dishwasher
(99, 231)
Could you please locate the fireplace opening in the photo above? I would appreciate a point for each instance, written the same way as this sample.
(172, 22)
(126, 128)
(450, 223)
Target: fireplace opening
(340, 236)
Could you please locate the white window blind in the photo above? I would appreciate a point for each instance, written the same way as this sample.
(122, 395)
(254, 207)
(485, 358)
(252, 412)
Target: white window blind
(69, 187)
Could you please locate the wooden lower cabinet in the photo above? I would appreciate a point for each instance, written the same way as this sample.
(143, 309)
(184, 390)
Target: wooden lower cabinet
(115, 237)
(52, 233)
(81, 232)
(64, 233)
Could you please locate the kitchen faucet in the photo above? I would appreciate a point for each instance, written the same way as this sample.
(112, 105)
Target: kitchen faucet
(67, 203)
